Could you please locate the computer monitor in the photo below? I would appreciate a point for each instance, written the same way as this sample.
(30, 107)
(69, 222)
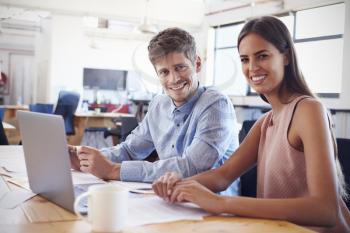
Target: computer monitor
(104, 79)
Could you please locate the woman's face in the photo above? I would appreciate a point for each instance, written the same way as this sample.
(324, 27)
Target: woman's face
(262, 64)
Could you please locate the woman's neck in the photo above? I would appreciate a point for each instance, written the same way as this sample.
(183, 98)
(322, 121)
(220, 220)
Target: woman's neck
(278, 101)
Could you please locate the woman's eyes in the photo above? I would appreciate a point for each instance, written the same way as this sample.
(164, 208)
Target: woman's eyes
(262, 56)
(244, 60)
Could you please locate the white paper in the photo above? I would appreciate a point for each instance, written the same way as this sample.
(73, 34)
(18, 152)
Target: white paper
(20, 181)
(135, 187)
(11, 199)
(148, 210)
(85, 178)
(13, 163)
(4, 172)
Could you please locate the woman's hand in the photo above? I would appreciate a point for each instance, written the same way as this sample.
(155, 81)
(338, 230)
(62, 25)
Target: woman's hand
(164, 185)
(192, 191)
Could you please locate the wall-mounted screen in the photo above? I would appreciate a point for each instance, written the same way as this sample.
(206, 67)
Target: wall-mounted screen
(104, 79)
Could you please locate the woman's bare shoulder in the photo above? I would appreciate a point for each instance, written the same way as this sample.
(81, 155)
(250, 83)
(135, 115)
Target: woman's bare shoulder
(310, 114)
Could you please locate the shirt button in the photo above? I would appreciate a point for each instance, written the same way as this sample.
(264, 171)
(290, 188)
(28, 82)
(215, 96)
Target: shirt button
(177, 125)
(172, 146)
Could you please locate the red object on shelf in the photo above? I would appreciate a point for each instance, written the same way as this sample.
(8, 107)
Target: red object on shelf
(3, 83)
(110, 107)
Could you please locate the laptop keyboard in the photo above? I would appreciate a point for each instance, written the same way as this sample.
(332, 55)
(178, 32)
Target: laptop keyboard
(80, 189)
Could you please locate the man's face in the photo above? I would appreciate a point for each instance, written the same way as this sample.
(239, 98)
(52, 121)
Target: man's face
(178, 76)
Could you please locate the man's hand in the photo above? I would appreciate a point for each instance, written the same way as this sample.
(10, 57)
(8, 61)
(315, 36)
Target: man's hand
(92, 161)
(164, 185)
(74, 160)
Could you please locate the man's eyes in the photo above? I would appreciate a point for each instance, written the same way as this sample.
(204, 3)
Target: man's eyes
(180, 68)
(163, 73)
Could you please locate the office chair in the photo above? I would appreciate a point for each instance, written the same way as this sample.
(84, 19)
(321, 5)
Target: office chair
(43, 108)
(127, 124)
(344, 159)
(2, 113)
(3, 138)
(248, 179)
(67, 103)
(246, 126)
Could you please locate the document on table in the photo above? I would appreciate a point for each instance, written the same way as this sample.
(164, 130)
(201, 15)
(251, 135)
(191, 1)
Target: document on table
(9, 199)
(12, 199)
(13, 164)
(20, 181)
(77, 177)
(85, 178)
(135, 187)
(148, 210)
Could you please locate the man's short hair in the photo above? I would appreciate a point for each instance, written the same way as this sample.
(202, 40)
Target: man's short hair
(172, 40)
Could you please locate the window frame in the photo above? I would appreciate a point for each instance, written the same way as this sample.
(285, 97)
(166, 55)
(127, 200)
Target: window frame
(296, 41)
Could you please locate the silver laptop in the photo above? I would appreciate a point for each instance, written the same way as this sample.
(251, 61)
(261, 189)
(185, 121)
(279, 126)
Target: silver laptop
(46, 157)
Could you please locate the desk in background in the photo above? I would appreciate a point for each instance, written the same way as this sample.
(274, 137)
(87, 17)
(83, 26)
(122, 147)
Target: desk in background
(9, 129)
(142, 106)
(39, 215)
(11, 110)
(8, 126)
(83, 120)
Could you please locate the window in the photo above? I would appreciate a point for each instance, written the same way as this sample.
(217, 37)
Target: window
(319, 50)
(228, 76)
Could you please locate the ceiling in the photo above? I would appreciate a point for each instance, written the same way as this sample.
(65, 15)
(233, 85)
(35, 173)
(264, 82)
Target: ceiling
(188, 13)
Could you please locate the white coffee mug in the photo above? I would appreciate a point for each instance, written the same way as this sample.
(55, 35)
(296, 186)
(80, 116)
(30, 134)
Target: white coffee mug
(107, 207)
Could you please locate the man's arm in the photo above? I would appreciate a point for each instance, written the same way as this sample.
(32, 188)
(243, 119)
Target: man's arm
(137, 146)
(105, 163)
(215, 132)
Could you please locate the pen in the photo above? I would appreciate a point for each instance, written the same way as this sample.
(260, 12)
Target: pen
(142, 191)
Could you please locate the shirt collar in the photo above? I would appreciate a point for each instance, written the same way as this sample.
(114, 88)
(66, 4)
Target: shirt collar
(185, 108)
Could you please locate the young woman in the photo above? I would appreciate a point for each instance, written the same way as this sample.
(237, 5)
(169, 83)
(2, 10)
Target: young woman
(299, 179)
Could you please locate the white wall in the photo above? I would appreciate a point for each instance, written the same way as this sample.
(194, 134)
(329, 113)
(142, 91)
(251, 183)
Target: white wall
(64, 48)
(42, 62)
(67, 52)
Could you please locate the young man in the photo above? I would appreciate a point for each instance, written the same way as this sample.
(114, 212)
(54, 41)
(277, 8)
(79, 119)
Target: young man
(191, 127)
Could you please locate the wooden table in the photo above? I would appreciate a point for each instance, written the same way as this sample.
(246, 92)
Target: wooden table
(39, 215)
(83, 120)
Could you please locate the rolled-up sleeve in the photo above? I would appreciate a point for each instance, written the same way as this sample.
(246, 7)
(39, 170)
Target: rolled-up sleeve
(214, 131)
(137, 146)
(198, 159)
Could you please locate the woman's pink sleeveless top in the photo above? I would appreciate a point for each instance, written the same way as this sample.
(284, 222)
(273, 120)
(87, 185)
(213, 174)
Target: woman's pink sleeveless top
(281, 168)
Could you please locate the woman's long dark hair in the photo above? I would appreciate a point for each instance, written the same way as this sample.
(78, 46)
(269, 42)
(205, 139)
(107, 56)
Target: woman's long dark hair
(274, 31)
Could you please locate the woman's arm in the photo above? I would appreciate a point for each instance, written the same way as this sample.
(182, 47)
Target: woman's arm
(319, 208)
(240, 161)
(218, 179)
